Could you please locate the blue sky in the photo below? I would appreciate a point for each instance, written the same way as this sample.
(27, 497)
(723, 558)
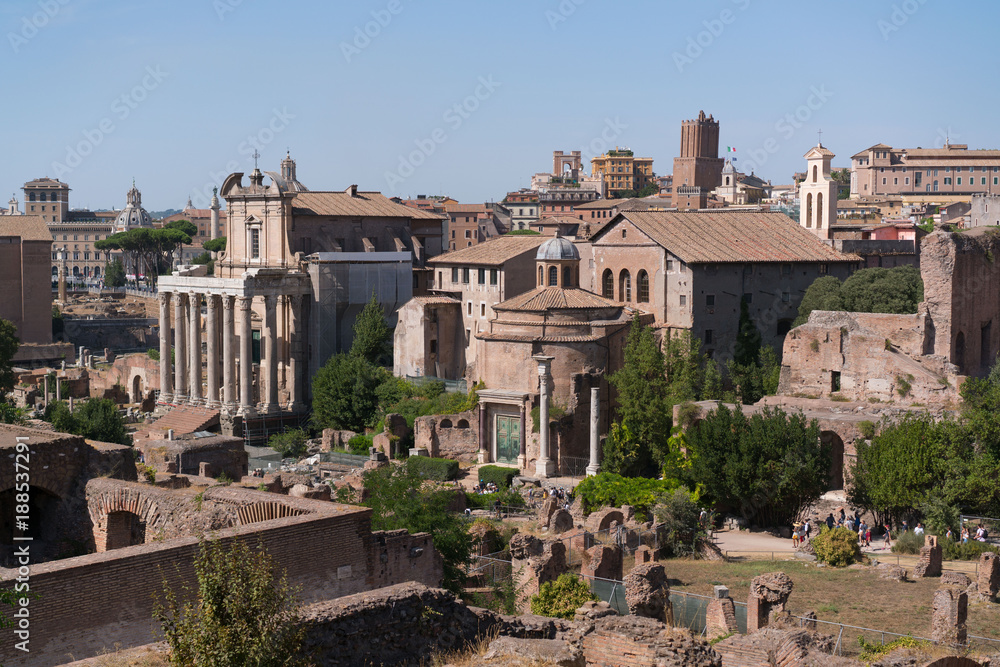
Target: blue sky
(469, 98)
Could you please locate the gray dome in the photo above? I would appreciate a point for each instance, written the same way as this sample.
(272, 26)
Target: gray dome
(133, 215)
(556, 249)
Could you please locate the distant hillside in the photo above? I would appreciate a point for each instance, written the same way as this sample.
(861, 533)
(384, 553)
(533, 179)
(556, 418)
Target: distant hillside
(160, 215)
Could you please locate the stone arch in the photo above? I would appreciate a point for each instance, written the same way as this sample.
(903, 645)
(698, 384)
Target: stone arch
(121, 501)
(815, 174)
(602, 519)
(445, 423)
(625, 286)
(553, 276)
(836, 444)
(462, 423)
(608, 284)
(137, 389)
(124, 529)
(265, 512)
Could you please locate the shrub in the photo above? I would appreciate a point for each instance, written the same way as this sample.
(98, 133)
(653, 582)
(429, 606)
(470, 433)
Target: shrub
(837, 547)
(498, 475)
(359, 444)
(441, 470)
(290, 444)
(484, 501)
(562, 597)
(971, 550)
(153, 354)
(908, 543)
(678, 513)
(149, 472)
(610, 490)
(867, 429)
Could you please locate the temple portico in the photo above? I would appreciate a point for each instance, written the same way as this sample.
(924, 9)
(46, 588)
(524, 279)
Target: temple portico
(267, 331)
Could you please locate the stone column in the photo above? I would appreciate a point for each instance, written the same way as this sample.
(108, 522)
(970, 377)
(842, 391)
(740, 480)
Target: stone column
(58, 387)
(228, 353)
(45, 380)
(165, 369)
(62, 275)
(270, 340)
(180, 348)
(194, 349)
(544, 466)
(246, 357)
(595, 421)
(296, 356)
(212, 353)
(484, 435)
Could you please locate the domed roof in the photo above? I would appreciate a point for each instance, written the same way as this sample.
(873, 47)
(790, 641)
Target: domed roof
(556, 249)
(133, 215)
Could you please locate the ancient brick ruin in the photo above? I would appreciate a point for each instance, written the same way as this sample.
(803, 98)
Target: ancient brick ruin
(949, 615)
(647, 592)
(720, 615)
(931, 556)
(988, 581)
(768, 595)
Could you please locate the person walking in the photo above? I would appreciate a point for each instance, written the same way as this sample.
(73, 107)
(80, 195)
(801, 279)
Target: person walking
(888, 537)
(965, 534)
(829, 521)
(868, 536)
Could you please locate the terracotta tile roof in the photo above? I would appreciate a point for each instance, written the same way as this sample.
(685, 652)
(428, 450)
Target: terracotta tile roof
(732, 236)
(492, 252)
(465, 208)
(556, 298)
(436, 300)
(523, 338)
(364, 204)
(28, 227)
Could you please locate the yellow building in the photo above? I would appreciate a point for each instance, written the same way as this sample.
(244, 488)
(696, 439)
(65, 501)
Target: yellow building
(622, 171)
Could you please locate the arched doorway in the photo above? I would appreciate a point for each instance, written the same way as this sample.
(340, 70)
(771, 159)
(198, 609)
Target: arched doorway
(42, 506)
(124, 529)
(137, 389)
(835, 445)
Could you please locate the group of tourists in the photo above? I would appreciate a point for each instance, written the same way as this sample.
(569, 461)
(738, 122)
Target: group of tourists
(485, 487)
(801, 531)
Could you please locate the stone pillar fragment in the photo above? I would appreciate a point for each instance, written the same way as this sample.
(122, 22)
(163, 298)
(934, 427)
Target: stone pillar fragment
(194, 349)
(595, 420)
(180, 348)
(544, 466)
(931, 555)
(720, 616)
(228, 352)
(296, 358)
(246, 357)
(988, 580)
(949, 614)
(647, 592)
(602, 562)
(768, 595)
(212, 352)
(270, 340)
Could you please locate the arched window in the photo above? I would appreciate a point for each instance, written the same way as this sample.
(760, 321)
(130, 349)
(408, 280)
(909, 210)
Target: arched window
(608, 284)
(815, 172)
(567, 277)
(553, 276)
(642, 287)
(809, 210)
(727, 180)
(541, 277)
(31, 196)
(41, 197)
(625, 286)
(819, 211)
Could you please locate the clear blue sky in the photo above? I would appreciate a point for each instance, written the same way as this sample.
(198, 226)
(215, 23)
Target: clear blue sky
(169, 93)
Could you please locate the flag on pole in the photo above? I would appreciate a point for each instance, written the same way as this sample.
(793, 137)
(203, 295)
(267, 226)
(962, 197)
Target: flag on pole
(730, 149)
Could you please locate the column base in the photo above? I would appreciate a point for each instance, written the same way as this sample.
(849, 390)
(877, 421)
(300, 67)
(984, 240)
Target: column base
(179, 399)
(270, 409)
(545, 468)
(522, 461)
(246, 411)
(195, 401)
(484, 456)
(593, 470)
(165, 399)
(297, 406)
(214, 405)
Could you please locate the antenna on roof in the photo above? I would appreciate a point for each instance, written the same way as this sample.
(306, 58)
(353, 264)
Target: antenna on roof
(820, 134)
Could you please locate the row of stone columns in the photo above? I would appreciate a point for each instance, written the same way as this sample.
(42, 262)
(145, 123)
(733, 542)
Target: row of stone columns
(184, 384)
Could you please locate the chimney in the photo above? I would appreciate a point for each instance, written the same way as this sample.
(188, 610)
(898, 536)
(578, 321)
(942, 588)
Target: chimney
(353, 190)
(170, 434)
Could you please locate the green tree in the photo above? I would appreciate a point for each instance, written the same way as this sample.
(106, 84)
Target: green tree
(684, 367)
(766, 467)
(747, 350)
(346, 392)
(877, 290)
(372, 336)
(215, 245)
(95, 419)
(242, 614)
(822, 294)
(680, 528)
(114, 273)
(290, 444)
(523, 232)
(562, 597)
(9, 342)
(639, 434)
(399, 498)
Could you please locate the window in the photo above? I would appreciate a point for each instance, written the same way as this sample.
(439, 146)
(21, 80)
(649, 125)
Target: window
(624, 233)
(642, 287)
(553, 276)
(567, 277)
(608, 284)
(453, 233)
(482, 276)
(906, 181)
(434, 347)
(625, 286)
(466, 233)
(31, 197)
(469, 308)
(41, 197)
(494, 276)
(64, 237)
(482, 310)
(710, 300)
(684, 299)
(959, 181)
(76, 237)
(947, 181)
(255, 244)
(670, 265)
(824, 269)
(895, 181)
(43, 208)
(983, 181)
(786, 297)
(454, 274)
(439, 283)
(465, 275)
(883, 181)
(709, 335)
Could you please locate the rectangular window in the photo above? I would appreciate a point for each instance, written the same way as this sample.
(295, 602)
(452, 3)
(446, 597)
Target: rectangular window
(824, 269)
(494, 276)
(710, 300)
(255, 346)
(469, 308)
(482, 276)
(255, 244)
(708, 336)
(670, 265)
(684, 299)
(786, 269)
(983, 181)
(959, 180)
(895, 181)
(883, 181)
(482, 310)
(786, 297)
(465, 276)
(466, 233)
(906, 181)
(454, 274)
(439, 283)
(434, 347)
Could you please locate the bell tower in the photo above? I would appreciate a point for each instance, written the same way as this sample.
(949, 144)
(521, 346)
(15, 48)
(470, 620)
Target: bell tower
(818, 193)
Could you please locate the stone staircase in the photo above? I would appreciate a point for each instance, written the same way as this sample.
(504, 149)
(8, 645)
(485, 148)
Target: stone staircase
(181, 419)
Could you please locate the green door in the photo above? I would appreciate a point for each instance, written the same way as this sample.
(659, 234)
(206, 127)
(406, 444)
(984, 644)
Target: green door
(508, 439)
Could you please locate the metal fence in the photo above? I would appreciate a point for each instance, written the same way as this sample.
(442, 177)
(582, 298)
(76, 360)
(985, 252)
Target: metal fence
(573, 466)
